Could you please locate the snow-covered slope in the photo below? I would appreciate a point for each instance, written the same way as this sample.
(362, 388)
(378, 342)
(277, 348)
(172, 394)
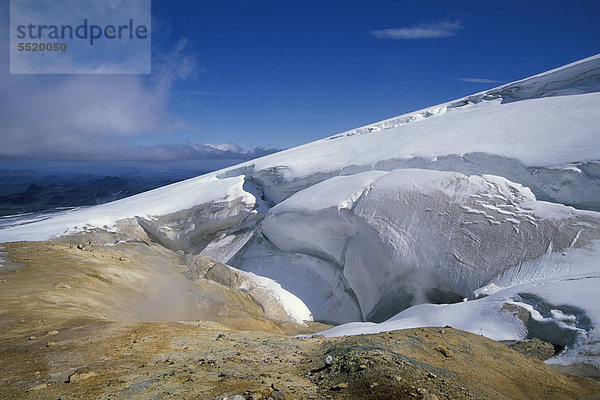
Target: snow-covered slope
(460, 200)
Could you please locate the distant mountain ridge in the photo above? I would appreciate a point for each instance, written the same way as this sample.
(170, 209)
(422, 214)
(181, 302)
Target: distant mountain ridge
(47, 193)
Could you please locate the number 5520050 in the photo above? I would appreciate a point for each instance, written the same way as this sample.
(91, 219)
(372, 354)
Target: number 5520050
(35, 46)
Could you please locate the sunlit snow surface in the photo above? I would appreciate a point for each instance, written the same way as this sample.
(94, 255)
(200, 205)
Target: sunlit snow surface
(161, 201)
(8, 221)
(468, 199)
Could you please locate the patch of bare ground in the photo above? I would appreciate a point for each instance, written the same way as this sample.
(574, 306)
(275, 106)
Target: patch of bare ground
(117, 322)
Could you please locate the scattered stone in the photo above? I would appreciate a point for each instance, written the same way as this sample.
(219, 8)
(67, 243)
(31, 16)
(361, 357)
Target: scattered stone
(444, 350)
(431, 375)
(422, 391)
(62, 285)
(276, 386)
(122, 259)
(373, 385)
(362, 367)
(50, 344)
(81, 247)
(328, 360)
(276, 396)
(340, 386)
(32, 338)
(442, 331)
(52, 333)
(3, 280)
(39, 387)
(78, 376)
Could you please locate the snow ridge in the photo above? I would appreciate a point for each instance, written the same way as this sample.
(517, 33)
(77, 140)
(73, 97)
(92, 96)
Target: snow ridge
(576, 78)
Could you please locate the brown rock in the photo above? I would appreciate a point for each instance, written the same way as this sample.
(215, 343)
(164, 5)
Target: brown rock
(62, 285)
(340, 386)
(78, 376)
(39, 387)
(444, 350)
(277, 395)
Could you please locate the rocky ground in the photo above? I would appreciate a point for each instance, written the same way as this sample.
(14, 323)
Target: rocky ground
(123, 322)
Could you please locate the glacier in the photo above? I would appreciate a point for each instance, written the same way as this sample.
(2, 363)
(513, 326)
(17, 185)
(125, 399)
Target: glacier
(482, 213)
(412, 236)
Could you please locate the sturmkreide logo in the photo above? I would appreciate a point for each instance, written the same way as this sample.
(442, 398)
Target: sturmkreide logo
(80, 37)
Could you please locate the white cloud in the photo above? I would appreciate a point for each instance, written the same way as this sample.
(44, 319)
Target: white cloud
(98, 117)
(479, 80)
(438, 30)
(83, 115)
(77, 117)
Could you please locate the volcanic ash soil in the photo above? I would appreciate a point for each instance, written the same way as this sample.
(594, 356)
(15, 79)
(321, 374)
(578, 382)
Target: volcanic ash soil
(121, 322)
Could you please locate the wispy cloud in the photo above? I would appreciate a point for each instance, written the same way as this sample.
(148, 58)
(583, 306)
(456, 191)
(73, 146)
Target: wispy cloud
(76, 117)
(479, 80)
(438, 30)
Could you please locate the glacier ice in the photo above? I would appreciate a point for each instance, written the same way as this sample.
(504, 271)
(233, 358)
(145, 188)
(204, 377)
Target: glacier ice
(558, 304)
(414, 236)
(481, 198)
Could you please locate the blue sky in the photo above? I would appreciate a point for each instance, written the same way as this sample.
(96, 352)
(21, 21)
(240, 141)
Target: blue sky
(276, 74)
